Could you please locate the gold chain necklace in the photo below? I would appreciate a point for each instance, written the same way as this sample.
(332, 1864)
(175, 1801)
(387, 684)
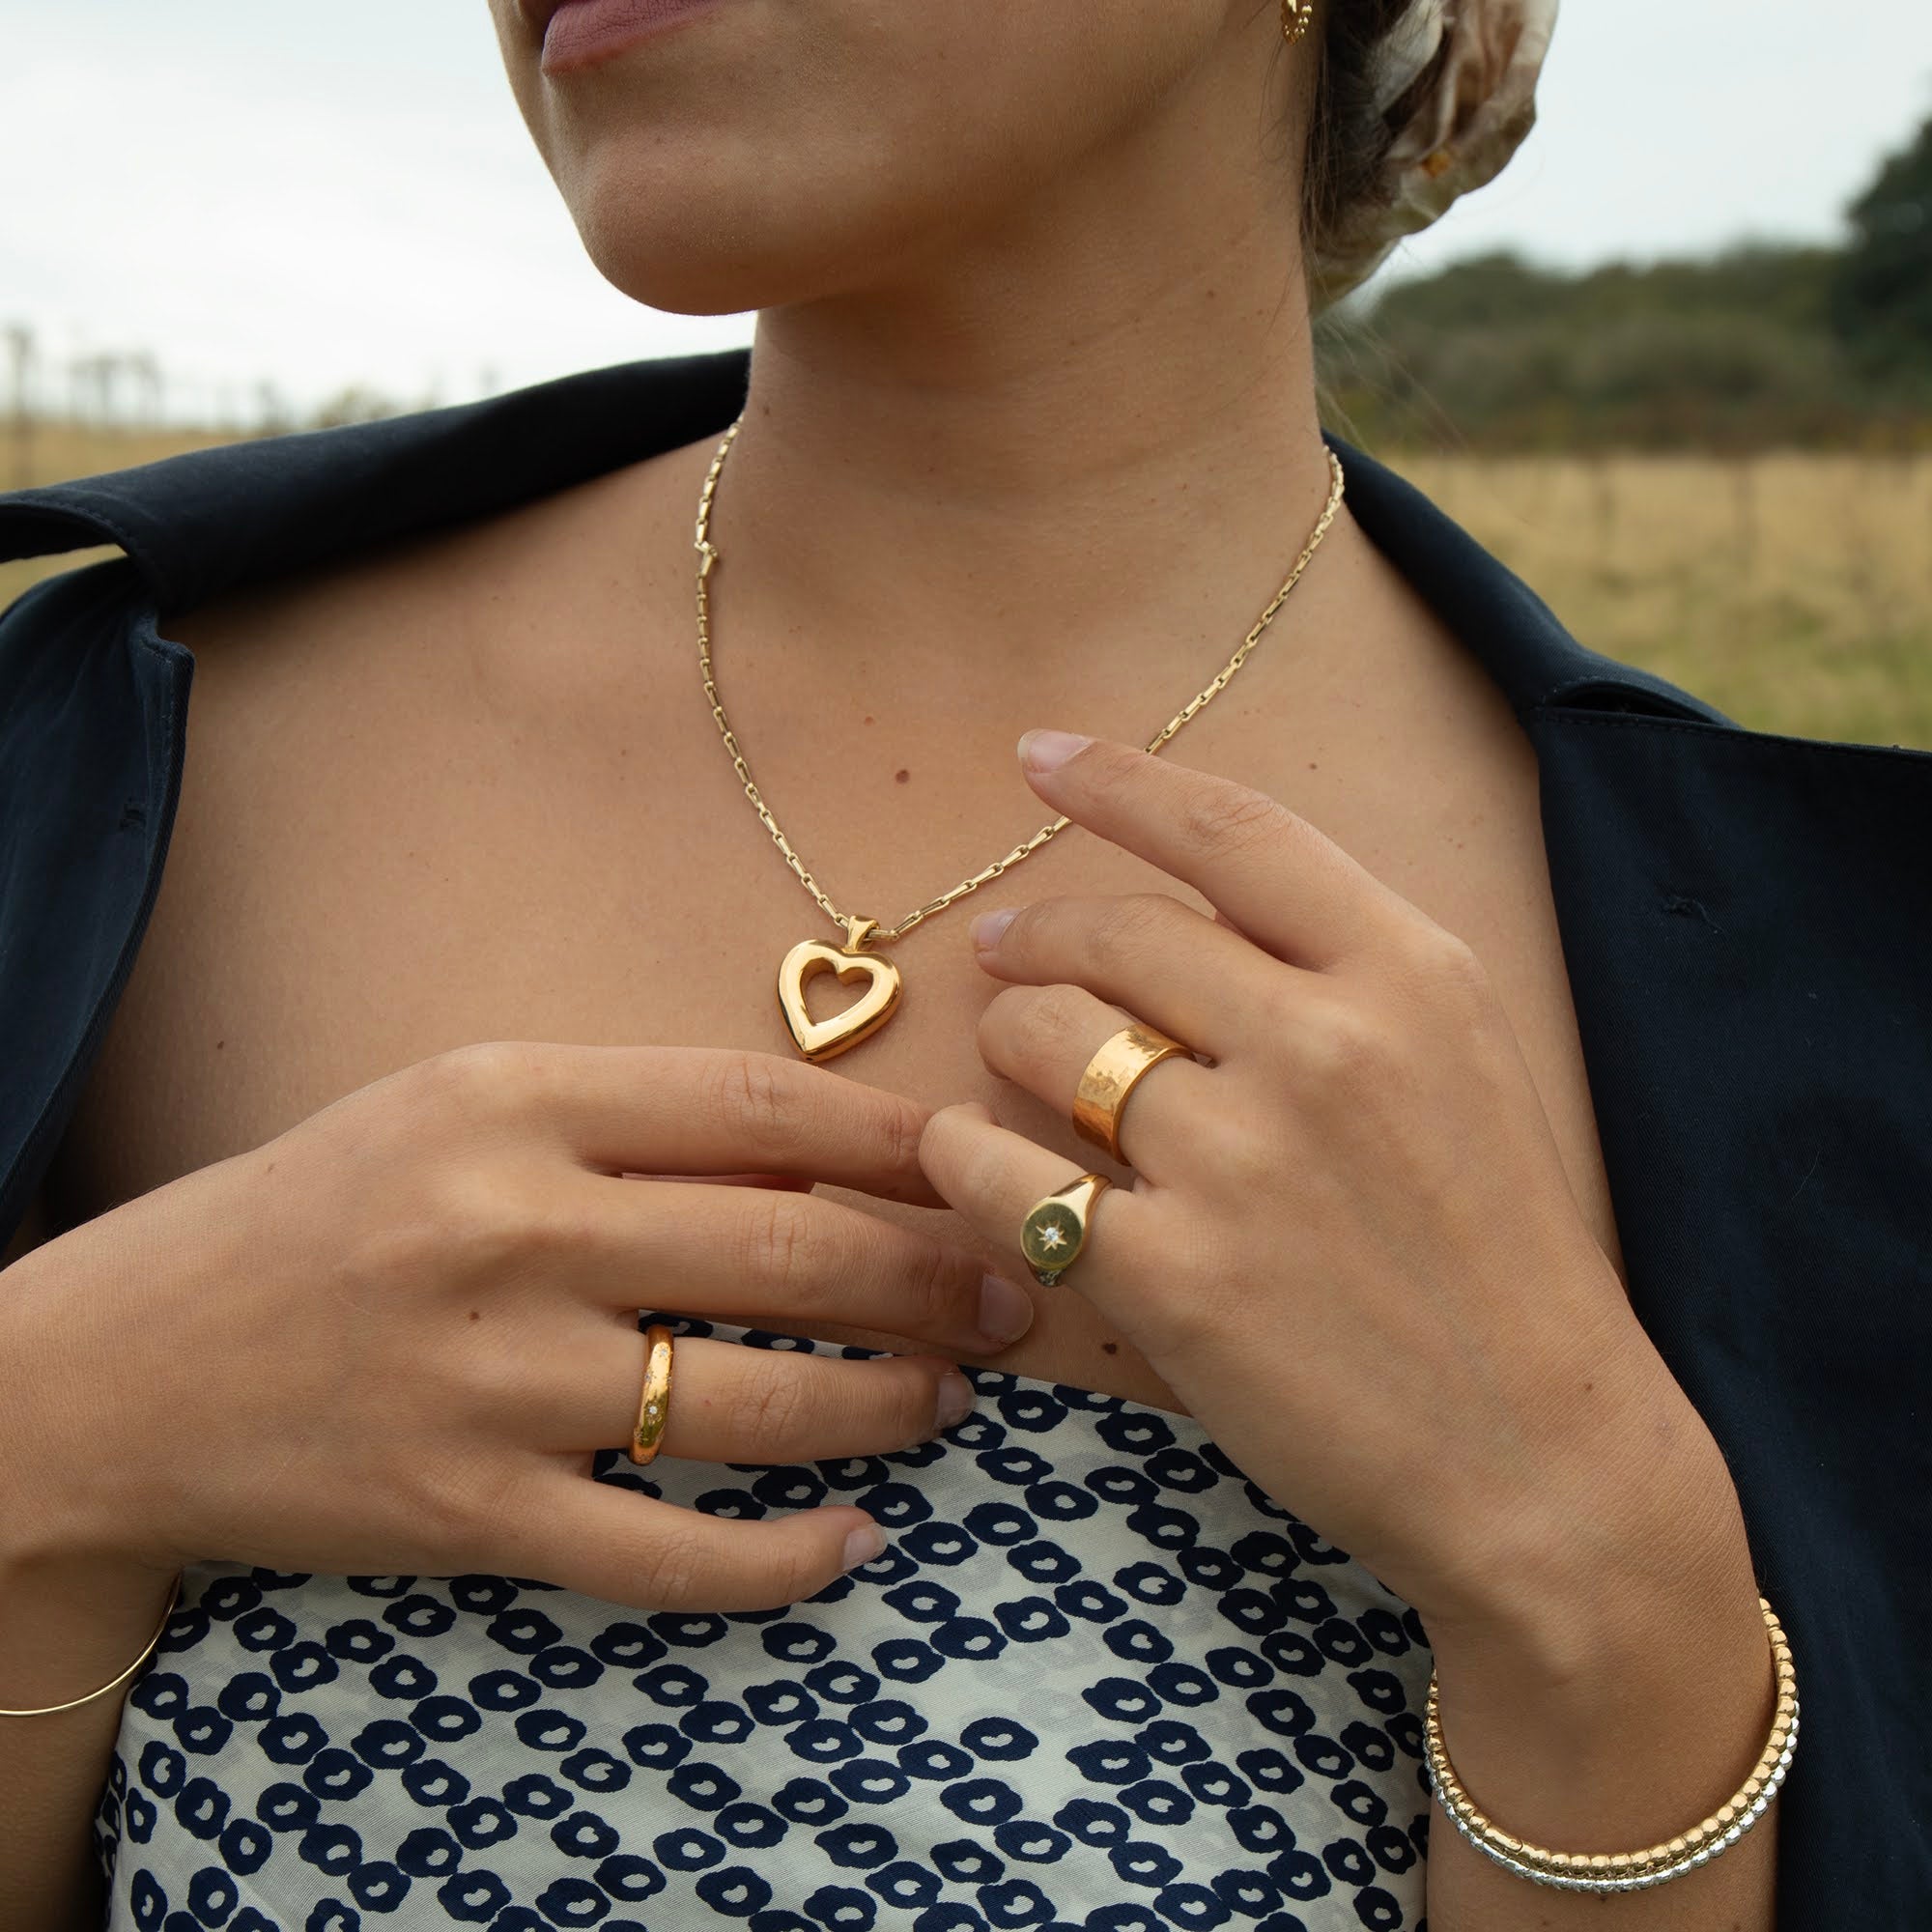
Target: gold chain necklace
(821, 1039)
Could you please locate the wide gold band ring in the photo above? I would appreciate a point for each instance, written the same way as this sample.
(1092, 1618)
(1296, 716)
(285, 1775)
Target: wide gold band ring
(1055, 1228)
(654, 1399)
(1110, 1077)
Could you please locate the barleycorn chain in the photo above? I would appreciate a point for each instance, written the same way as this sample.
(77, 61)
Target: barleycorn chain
(822, 1040)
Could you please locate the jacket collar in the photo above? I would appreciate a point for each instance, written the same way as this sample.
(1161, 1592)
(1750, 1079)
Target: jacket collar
(200, 523)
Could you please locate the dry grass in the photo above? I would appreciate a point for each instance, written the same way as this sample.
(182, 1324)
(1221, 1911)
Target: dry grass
(1794, 592)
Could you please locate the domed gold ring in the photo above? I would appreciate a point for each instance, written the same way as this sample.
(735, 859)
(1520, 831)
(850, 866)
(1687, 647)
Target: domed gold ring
(654, 1399)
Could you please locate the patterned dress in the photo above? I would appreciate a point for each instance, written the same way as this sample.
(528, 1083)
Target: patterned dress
(1097, 1679)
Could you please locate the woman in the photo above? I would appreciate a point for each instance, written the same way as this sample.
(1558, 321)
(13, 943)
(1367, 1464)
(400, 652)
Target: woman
(444, 1057)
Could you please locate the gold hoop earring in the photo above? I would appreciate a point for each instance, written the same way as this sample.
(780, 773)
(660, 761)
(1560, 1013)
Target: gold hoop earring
(1296, 16)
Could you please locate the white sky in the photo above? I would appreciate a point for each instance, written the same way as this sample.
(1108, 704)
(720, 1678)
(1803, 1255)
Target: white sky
(254, 193)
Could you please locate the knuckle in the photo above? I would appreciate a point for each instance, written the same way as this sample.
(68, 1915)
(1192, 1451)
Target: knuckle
(487, 1223)
(763, 1098)
(1129, 928)
(983, 1172)
(1232, 819)
(1343, 1047)
(483, 1075)
(1449, 967)
(782, 1242)
(794, 1573)
(453, 1507)
(1037, 1023)
(932, 1291)
(902, 1126)
(444, 1225)
(671, 1566)
(1281, 1014)
(769, 1406)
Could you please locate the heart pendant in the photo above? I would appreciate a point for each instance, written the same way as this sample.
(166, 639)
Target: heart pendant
(823, 1040)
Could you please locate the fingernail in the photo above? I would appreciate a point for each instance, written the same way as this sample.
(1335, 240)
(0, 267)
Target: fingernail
(956, 1398)
(1005, 1311)
(864, 1542)
(989, 925)
(1048, 750)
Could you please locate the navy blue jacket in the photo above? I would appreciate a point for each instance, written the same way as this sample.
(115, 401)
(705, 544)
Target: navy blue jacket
(1747, 919)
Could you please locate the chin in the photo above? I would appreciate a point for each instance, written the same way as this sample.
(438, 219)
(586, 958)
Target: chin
(691, 240)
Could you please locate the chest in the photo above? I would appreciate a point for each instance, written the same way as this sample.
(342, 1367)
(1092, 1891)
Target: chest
(384, 852)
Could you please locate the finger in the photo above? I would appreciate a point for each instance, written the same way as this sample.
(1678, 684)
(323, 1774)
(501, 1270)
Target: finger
(768, 1257)
(993, 1176)
(797, 1182)
(1172, 967)
(1279, 878)
(1042, 1038)
(694, 1111)
(606, 1541)
(732, 1402)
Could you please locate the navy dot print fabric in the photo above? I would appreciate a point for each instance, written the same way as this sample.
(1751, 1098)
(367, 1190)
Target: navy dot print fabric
(1097, 1680)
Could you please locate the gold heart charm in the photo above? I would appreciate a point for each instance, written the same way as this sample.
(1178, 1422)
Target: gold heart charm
(823, 1040)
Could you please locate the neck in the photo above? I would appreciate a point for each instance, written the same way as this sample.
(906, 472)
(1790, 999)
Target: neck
(1090, 434)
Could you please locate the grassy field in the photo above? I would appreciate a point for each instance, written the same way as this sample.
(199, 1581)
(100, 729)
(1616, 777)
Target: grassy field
(1794, 592)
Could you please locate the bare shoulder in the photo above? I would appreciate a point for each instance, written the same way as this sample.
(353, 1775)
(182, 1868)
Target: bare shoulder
(378, 787)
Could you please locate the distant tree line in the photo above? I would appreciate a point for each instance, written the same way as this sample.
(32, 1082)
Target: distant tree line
(1761, 346)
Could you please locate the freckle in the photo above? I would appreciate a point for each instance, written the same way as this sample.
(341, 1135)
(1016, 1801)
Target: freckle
(899, 778)
(1311, 765)
(472, 1315)
(869, 721)
(219, 1044)
(1110, 1347)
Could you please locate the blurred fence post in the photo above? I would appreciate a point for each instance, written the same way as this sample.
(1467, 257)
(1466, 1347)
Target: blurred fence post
(20, 348)
(1604, 497)
(1744, 511)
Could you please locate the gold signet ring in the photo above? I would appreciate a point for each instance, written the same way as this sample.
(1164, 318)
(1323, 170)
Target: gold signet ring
(1110, 1077)
(654, 1402)
(1055, 1228)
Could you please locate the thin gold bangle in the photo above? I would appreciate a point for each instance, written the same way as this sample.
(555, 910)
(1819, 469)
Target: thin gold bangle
(47, 1710)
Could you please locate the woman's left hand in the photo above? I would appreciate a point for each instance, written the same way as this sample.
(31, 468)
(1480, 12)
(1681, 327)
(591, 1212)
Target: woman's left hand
(1350, 1248)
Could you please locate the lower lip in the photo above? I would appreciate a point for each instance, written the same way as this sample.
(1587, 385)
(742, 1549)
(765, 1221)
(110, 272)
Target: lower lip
(583, 32)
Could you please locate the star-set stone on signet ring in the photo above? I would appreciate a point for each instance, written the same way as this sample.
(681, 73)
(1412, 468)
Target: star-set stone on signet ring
(1055, 1229)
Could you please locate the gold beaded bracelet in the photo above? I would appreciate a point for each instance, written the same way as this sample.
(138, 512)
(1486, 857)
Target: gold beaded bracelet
(73, 1703)
(1630, 1871)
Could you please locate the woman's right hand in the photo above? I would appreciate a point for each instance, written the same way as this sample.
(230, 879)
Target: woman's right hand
(388, 1341)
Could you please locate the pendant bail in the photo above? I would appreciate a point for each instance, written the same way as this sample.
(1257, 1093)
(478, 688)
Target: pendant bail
(858, 931)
